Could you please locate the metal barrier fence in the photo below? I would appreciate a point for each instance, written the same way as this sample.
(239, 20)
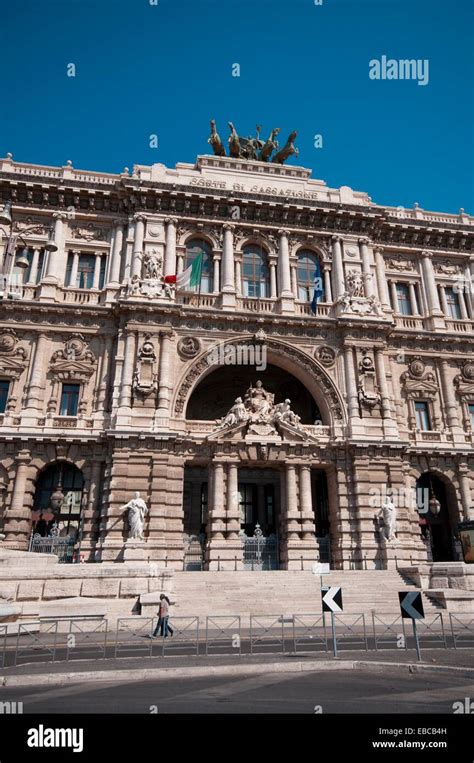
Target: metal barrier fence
(464, 639)
(267, 631)
(388, 635)
(223, 632)
(428, 634)
(36, 642)
(309, 633)
(69, 638)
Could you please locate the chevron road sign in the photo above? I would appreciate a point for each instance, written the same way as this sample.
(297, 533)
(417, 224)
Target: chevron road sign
(411, 604)
(332, 598)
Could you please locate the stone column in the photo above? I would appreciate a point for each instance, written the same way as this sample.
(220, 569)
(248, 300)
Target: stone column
(137, 256)
(294, 280)
(351, 384)
(55, 264)
(107, 347)
(306, 503)
(393, 289)
(74, 268)
(284, 265)
(17, 523)
(337, 268)
(232, 554)
(216, 554)
(273, 281)
(292, 513)
(468, 287)
(444, 302)
(216, 273)
(127, 370)
(434, 309)
(165, 381)
(327, 283)
(369, 286)
(91, 519)
(180, 262)
(114, 271)
(450, 403)
(413, 299)
(462, 306)
(228, 267)
(96, 277)
(465, 489)
(238, 276)
(381, 279)
(32, 278)
(34, 398)
(389, 425)
(170, 247)
(291, 521)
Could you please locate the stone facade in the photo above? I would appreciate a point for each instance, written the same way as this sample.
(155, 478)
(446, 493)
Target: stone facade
(385, 361)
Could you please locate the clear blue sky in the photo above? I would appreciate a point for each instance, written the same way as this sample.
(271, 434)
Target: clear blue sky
(167, 69)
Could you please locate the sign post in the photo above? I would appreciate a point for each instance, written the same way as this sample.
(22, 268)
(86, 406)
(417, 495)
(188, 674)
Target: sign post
(332, 602)
(411, 606)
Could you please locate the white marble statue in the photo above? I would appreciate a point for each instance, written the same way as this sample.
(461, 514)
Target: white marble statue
(137, 511)
(388, 515)
(284, 413)
(236, 415)
(153, 265)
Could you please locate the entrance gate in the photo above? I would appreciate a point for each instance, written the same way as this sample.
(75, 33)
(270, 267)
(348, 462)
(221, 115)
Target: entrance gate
(260, 552)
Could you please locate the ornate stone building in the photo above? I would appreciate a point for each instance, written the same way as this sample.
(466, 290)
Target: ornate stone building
(113, 381)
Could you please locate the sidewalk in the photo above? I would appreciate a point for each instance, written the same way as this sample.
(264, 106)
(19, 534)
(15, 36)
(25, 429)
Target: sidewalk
(459, 662)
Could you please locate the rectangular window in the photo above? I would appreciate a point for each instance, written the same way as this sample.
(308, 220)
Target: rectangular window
(4, 389)
(422, 416)
(471, 414)
(85, 271)
(69, 400)
(454, 308)
(403, 299)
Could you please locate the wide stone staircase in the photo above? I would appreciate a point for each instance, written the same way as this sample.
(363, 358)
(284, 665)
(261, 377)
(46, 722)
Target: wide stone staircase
(286, 592)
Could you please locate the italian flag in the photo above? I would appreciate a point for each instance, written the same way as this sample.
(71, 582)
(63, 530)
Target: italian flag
(190, 277)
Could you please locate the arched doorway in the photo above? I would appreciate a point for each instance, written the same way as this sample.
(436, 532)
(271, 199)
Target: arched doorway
(58, 500)
(438, 519)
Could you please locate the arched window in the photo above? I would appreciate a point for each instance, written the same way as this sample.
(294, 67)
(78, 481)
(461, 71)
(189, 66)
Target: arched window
(309, 269)
(255, 274)
(194, 248)
(57, 479)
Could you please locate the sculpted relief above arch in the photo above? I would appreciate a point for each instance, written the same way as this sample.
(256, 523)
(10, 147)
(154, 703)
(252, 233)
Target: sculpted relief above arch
(297, 362)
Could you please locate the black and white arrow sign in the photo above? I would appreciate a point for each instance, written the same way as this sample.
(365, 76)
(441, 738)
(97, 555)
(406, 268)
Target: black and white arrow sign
(411, 604)
(332, 598)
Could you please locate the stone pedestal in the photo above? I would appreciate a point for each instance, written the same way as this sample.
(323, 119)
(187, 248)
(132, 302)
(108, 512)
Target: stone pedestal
(135, 551)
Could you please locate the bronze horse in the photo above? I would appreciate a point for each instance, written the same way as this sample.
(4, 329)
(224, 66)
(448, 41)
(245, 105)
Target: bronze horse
(287, 150)
(215, 140)
(270, 146)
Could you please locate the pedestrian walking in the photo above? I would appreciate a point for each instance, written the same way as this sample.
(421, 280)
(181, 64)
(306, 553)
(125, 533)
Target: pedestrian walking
(166, 629)
(163, 628)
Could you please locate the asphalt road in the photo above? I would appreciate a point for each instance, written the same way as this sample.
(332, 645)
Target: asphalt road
(327, 692)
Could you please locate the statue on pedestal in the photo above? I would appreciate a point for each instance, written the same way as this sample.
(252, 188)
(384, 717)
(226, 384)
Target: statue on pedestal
(388, 515)
(137, 511)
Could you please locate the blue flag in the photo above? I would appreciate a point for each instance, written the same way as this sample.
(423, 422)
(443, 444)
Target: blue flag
(318, 288)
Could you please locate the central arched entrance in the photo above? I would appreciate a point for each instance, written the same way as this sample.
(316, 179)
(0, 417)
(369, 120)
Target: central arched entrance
(438, 518)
